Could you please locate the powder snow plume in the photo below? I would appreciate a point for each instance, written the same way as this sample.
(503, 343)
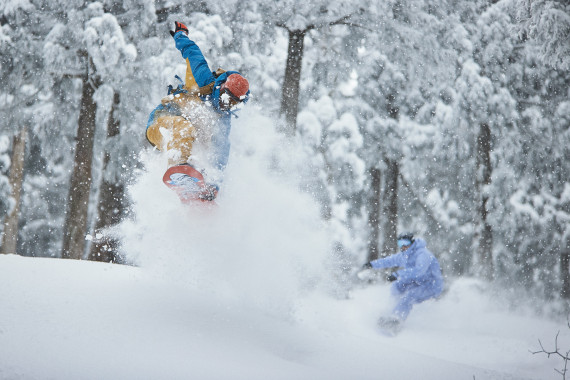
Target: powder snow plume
(262, 243)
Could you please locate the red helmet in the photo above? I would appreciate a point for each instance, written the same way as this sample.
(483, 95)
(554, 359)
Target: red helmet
(237, 85)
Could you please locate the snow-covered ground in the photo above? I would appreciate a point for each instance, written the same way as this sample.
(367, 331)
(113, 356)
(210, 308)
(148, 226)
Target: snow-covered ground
(242, 290)
(64, 319)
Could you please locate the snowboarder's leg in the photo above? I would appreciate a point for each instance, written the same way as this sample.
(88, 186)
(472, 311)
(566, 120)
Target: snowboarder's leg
(410, 297)
(183, 136)
(174, 135)
(190, 84)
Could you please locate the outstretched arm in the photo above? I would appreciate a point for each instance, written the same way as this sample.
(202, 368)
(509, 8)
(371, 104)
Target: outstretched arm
(195, 59)
(395, 260)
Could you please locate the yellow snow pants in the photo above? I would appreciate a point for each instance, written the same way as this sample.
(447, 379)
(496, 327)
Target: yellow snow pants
(168, 131)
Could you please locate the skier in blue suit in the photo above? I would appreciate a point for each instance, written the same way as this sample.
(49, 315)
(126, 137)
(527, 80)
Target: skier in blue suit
(418, 280)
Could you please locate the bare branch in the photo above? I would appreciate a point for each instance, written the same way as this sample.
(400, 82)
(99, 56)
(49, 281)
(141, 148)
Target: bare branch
(556, 352)
(344, 20)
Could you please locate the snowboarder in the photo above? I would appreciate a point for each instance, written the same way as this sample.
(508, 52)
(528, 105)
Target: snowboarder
(419, 279)
(192, 124)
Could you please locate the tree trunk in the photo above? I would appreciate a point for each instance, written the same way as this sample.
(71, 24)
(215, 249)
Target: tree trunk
(374, 214)
(10, 239)
(111, 195)
(391, 106)
(78, 199)
(390, 207)
(390, 196)
(565, 273)
(484, 233)
(292, 78)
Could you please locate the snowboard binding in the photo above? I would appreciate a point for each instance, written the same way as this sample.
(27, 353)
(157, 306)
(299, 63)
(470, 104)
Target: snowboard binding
(188, 183)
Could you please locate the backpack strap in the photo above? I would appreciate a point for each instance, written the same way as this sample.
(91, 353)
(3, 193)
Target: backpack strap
(179, 89)
(218, 72)
(209, 88)
(202, 91)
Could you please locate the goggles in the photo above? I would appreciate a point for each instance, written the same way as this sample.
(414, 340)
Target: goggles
(232, 98)
(403, 242)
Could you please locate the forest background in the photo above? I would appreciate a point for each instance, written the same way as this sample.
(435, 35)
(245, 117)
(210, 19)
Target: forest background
(449, 118)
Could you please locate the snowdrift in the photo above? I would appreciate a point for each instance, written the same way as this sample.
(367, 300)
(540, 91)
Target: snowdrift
(63, 319)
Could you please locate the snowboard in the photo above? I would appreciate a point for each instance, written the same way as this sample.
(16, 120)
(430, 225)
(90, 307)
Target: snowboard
(389, 326)
(189, 184)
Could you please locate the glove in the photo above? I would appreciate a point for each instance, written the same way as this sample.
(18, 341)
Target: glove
(178, 26)
(367, 266)
(391, 277)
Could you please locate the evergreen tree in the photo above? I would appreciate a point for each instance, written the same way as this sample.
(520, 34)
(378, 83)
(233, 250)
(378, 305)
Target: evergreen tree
(10, 238)
(298, 18)
(545, 24)
(95, 47)
(28, 101)
(7, 202)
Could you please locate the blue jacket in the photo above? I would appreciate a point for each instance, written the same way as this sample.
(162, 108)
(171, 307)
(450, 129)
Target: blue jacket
(209, 85)
(419, 267)
(198, 67)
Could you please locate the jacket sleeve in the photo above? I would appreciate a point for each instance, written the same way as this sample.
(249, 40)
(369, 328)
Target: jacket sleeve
(220, 148)
(395, 260)
(193, 54)
(420, 268)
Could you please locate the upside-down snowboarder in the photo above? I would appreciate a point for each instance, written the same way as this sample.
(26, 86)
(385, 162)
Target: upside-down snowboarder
(418, 280)
(192, 124)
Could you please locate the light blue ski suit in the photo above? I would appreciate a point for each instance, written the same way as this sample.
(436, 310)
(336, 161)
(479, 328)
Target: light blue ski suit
(419, 279)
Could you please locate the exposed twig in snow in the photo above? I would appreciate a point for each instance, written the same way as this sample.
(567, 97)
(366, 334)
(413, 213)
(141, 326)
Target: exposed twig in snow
(556, 352)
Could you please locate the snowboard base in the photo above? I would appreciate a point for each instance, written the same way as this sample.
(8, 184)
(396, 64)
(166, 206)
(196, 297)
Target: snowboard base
(389, 326)
(188, 183)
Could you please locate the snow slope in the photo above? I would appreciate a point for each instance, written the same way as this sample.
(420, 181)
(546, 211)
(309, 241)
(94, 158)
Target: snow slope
(64, 319)
(242, 290)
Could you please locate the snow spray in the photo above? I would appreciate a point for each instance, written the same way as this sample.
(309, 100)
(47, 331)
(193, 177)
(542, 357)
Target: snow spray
(262, 243)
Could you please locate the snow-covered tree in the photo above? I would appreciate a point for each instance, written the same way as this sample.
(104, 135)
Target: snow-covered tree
(546, 24)
(299, 18)
(27, 98)
(11, 231)
(333, 141)
(7, 202)
(91, 41)
(402, 63)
